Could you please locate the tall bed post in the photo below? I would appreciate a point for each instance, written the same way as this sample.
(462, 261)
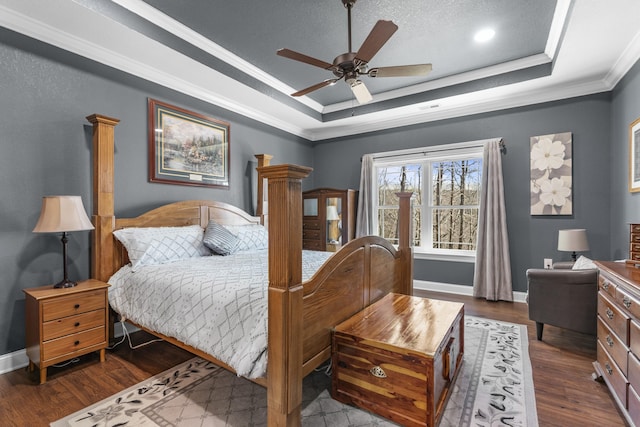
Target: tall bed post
(285, 348)
(263, 201)
(404, 241)
(103, 211)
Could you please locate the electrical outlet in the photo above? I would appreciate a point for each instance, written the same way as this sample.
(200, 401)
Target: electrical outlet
(548, 263)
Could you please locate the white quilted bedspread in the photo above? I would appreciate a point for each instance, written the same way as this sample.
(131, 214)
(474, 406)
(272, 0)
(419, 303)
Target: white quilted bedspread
(216, 304)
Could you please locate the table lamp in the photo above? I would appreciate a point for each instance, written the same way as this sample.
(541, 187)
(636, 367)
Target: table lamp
(62, 214)
(573, 241)
(332, 218)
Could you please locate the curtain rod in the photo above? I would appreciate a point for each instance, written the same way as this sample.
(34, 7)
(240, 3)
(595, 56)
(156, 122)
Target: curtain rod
(503, 150)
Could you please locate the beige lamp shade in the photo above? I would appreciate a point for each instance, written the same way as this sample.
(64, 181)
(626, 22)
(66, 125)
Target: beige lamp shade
(332, 213)
(573, 240)
(62, 214)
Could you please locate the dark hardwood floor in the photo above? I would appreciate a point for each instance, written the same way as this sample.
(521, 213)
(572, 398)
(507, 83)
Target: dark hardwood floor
(566, 395)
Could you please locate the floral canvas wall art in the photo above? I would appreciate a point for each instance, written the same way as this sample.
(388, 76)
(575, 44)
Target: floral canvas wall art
(551, 177)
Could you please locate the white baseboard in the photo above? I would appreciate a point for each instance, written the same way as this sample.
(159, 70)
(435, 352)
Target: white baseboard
(12, 361)
(458, 289)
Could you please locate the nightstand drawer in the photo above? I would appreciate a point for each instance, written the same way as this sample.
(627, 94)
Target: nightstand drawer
(70, 344)
(72, 324)
(72, 304)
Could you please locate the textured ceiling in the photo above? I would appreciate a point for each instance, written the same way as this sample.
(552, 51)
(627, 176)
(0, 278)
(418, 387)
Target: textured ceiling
(224, 53)
(430, 31)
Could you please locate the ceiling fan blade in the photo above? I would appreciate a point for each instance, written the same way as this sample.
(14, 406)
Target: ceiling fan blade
(296, 56)
(361, 92)
(381, 32)
(316, 86)
(401, 71)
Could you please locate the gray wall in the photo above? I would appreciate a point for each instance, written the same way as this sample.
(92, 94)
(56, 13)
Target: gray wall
(625, 206)
(531, 238)
(45, 146)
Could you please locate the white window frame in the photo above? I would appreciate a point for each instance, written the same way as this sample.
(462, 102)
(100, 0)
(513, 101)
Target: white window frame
(426, 155)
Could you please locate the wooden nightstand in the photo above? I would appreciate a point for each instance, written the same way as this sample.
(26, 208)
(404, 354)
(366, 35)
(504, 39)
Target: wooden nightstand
(65, 323)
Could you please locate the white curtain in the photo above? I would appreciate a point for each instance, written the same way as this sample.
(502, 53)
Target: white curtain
(492, 276)
(364, 219)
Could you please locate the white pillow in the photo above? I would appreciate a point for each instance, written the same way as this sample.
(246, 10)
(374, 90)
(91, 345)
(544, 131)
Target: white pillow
(250, 237)
(583, 263)
(159, 245)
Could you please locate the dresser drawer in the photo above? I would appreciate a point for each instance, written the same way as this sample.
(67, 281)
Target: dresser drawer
(70, 305)
(312, 245)
(635, 228)
(613, 375)
(633, 404)
(635, 237)
(633, 374)
(310, 225)
(614, 317)
(70, 344)
(311, 234)
(628, 302)
(606, 286)
(72, 324)
(615, 347)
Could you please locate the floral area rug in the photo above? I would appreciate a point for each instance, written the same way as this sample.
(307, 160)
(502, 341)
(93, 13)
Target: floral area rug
(494, 388)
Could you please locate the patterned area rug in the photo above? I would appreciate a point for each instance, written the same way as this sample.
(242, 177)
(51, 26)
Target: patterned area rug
(494, 388)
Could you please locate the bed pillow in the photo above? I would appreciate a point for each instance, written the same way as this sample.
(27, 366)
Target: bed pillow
(159, 245)
(251, 237)
(220, 240)
(583, 263)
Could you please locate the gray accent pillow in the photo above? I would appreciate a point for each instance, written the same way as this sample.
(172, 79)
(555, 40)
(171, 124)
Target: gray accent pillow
(220, 240)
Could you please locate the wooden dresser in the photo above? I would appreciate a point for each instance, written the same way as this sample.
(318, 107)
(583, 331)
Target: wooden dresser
(65, 323)
(329, 218)
(399, 358)
(618, 351)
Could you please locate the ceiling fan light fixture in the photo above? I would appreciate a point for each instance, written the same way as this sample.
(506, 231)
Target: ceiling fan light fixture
(360, 91)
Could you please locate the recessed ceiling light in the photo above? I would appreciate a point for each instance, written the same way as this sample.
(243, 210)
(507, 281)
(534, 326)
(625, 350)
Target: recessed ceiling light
(484, 35)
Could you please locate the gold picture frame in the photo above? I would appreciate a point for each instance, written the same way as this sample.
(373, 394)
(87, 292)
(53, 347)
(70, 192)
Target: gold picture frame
(634, 156)
(187, 148)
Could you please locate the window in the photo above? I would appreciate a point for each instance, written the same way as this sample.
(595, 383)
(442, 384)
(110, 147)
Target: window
(445, 182)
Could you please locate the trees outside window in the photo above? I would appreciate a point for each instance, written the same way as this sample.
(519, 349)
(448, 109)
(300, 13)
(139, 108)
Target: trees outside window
(445, 202)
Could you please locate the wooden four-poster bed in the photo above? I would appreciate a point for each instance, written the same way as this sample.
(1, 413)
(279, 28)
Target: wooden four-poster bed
(301, 314)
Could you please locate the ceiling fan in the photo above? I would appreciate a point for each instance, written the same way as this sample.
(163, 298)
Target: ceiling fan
(352, 65)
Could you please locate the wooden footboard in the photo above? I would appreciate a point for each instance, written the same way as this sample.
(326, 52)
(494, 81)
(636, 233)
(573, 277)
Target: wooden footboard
(301, 316)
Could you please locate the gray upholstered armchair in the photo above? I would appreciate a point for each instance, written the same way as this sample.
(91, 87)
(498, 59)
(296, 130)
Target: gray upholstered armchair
(563, 297)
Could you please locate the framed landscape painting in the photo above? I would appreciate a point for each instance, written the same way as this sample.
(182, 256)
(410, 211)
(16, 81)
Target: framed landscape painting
(187, 148)
(551, 174)
(634, 156)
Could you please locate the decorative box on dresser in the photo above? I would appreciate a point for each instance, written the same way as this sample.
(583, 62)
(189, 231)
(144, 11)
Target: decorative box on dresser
(329, 218)
(65, 323)
(405, 377)
(634, 242)
(618, 347)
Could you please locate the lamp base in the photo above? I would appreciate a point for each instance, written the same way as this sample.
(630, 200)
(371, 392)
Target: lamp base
(65, 283)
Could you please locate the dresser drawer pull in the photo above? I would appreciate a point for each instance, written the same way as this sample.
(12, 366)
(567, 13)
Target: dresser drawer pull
(608, 368)
(378, 372)
(626, 301)
(76, 324)
(606, 285)
(76, 342)
(609, 341)
(77, 306)
(609, 313)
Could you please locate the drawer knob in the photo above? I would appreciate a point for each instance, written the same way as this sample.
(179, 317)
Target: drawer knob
(76, 342)
(609, 313)
(626, 301)
(378, 372)
(77, 306)
(609, 341)
(76, 324)
(608, 368)
(606, 285)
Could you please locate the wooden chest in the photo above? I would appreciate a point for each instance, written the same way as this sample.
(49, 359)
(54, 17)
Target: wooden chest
(399, 357)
